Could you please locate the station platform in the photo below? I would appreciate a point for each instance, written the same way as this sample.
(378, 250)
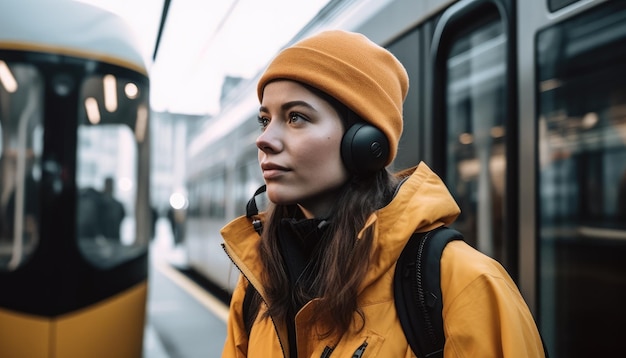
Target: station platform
(184, 320)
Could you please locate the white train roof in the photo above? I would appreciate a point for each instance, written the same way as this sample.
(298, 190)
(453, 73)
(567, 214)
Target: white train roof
(71, 28)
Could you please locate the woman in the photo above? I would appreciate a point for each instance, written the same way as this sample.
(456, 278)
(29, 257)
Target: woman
(322, 267)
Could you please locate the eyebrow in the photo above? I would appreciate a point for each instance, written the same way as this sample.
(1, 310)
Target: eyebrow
(287, 105)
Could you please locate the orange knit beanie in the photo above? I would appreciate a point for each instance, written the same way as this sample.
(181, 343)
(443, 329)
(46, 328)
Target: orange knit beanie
(365, 77)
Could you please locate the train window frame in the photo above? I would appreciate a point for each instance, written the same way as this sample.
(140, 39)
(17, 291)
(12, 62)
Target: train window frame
(457, 21)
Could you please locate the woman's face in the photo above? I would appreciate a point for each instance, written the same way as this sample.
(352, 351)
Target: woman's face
(299, 149)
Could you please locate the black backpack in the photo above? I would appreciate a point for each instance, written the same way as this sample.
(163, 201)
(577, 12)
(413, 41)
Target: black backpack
(417, 290)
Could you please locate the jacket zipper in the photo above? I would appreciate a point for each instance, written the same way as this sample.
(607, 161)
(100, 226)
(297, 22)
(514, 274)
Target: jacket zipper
(419, 288)
(282, 348)
(327, 352)
(359, 352)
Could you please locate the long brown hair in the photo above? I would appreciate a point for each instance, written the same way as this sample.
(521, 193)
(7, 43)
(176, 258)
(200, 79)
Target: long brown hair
(341, 262)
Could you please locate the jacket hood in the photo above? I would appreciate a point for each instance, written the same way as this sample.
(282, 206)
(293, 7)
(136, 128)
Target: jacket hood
(422, 203)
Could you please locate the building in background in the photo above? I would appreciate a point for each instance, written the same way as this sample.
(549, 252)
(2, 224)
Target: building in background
(170, 135)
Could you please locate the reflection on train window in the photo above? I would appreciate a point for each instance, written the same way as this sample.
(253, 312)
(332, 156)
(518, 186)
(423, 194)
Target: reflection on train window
(108, 141)
(582, 182)
(21, 136)
(476, 92)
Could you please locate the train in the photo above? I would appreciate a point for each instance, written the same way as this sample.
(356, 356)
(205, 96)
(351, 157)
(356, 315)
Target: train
(520, 107)
(75, 214)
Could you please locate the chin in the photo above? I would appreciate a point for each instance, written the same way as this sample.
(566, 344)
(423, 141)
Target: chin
(278, 196)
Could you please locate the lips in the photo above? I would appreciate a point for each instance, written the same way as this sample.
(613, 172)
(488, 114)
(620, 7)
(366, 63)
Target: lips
(271, 170)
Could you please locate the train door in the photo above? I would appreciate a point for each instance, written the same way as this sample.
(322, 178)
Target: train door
(474, 123)
(580, 124)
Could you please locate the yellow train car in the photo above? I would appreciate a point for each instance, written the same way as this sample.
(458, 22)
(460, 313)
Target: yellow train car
(74, 182)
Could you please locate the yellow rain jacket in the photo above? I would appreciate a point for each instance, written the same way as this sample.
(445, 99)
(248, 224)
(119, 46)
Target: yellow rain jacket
(484, 313)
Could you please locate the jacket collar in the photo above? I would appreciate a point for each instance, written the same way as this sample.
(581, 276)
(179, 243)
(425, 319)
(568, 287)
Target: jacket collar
(422, 203)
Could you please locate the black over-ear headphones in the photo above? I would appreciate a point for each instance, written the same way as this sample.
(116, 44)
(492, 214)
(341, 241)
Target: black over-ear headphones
(364, 148)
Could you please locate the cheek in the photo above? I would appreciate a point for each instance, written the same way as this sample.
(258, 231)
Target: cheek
(325, 155)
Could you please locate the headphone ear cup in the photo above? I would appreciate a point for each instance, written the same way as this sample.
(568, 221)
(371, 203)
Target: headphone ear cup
(364, 148)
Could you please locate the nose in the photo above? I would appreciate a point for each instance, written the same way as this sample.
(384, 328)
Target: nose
(269, 141)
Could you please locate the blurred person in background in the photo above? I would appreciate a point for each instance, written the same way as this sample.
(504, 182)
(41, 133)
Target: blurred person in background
(111, 212)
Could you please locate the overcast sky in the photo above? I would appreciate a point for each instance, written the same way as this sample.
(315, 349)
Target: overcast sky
(205, 40)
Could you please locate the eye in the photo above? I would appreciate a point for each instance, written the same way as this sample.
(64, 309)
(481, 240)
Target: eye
(263, 122)
(294, 117)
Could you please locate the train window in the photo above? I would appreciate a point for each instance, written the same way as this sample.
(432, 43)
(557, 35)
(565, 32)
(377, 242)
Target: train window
(581, 121)
(217, 196)
(247, 181)
(208, 195)
(476, 111)
(21, 138)
(109, 137)
(559, 4)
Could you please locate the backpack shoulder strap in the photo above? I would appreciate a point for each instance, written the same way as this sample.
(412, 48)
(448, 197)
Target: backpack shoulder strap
(417, 290)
